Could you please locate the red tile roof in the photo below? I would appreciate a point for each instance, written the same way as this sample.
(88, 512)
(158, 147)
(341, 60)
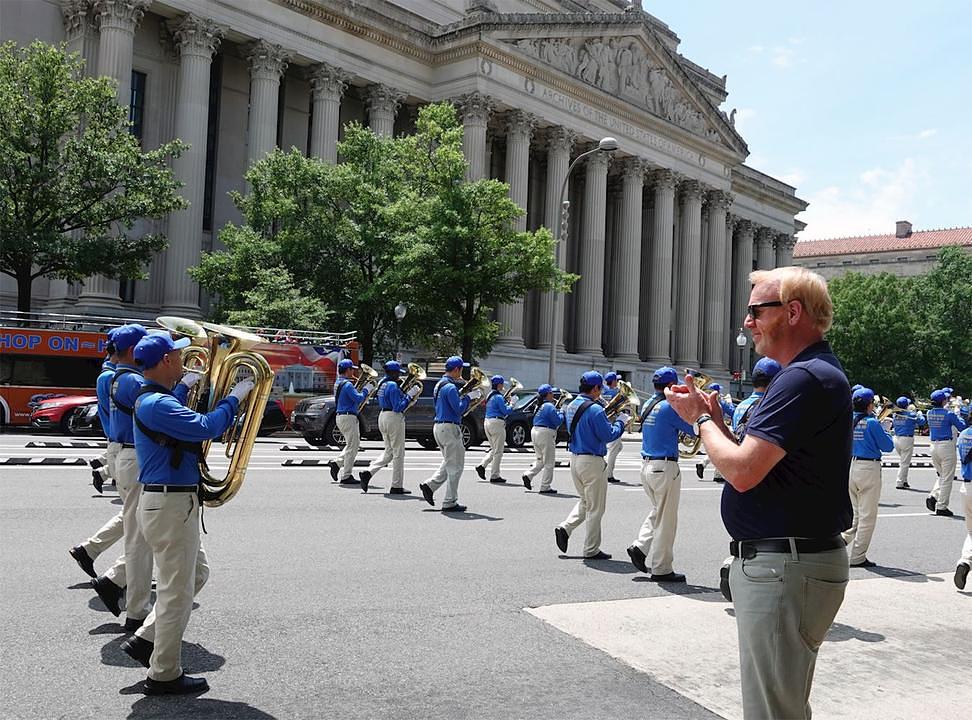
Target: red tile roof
(918, 240)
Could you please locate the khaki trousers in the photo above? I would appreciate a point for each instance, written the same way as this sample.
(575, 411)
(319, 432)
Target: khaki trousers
(348, 425)
(966, 490)
(147, 631)
(116, 573)
(103, 470)
(662, 481)
(905, 445)
(138, 555)
(589, 473)
(109, 533)
(785, 604)
(392, 427)
(496, 435)
(865, 493)
(613, 450)
(449, 439)
(170, 522)
(545, 448)
(943, 458)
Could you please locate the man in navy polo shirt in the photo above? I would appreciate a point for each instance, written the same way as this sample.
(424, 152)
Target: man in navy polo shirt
(785, 502)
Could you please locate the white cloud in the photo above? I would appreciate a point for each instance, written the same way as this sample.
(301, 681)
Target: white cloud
(794, 177)
(881, 197)
(783, 56)
(924, 134)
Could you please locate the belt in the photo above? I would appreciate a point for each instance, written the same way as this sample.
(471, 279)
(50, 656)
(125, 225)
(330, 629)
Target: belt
(748, 549)
(347, 413)
(128, 445)
(660, 457)
(867, 459)
(590, 454)
(170, 488)
(447, 422)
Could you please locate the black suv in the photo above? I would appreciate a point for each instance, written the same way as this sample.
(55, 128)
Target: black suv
(519, 423)
(315, 419)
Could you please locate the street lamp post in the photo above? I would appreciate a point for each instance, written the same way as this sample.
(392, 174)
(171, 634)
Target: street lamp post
(400, 311)
(607, 144)
(741, 342)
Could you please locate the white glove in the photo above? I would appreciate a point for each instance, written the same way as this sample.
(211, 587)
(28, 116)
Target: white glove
(414, 391)
(190, 379)
(475, 394)
(624, 418)
(369, 388)
(241, 389)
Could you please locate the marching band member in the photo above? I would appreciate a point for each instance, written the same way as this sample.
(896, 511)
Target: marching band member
(965, 456)
(661, 479)
(168, 437)
(727, 411)
(614, 448)
(904, 423)
(346, 403)
(940, 424)
(546, 420)
(449, 408)
(391, 424)
(870, 440)
(495, 426)
(112, 531)
(590, 431)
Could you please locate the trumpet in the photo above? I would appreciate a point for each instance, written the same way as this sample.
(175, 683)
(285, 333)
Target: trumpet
(414, 378)
(477, 379)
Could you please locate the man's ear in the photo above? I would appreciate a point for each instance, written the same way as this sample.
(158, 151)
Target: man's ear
(794, 311)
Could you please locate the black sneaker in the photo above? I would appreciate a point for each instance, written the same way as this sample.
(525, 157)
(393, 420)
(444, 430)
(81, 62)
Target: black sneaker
(699, 470)
(109, 593)
(481, 471)
(497, 480)
(97, 481)
(668, 577)
(548, 491)
(865, 563)
(944, 512)
(138, 649)
(526, 482)
(562, 537)
(349, 480)
(365, 477)
(427, 493)
(724, 582)
(83, 560)
(457, 508)
(399, 491)
(961, 573)
(613, 480)
(903, 486)
(930, 503)
(333, 467)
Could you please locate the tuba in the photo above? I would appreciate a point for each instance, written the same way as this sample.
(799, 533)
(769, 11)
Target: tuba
(477, 379)
(414, 378)
(514, 386)
(565, 397)
(195, 358)
(626, 400)
(689, 446)
(367, 375)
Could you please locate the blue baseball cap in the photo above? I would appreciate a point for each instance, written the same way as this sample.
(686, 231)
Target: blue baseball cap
(393, 366)
(592, 378)
(455, 362)
(902, 402)
(544, 389)
(939, 396)
(767, 367)
(863, 396)
(948, 390)
(152, 348)
(664, 375)
(497, 380)
(127, 336)
(715, 386)
(610, 377)
(855, 388)
(346, 364)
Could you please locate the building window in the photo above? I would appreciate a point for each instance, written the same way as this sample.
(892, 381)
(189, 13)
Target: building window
(126, 291)
(212, 140)
(136, 108)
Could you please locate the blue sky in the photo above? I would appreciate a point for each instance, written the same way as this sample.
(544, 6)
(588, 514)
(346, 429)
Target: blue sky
(864, 106)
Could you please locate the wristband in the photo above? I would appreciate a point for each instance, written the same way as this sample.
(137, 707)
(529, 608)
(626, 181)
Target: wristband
(700, 421)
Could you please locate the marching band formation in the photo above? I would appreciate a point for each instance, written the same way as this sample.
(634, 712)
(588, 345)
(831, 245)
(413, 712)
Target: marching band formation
(150, 386)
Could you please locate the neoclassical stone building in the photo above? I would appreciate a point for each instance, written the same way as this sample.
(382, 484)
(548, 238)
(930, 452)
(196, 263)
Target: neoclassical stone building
(663, 232)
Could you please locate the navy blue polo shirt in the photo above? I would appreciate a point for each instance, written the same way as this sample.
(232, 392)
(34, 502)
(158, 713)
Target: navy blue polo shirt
(807, 412)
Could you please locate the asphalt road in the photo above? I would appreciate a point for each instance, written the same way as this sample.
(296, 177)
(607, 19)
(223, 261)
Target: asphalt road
(327, 602)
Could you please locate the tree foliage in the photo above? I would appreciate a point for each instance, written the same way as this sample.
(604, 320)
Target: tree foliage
(73, 180)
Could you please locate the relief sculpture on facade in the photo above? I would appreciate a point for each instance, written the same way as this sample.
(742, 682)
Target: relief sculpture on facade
(620, 67)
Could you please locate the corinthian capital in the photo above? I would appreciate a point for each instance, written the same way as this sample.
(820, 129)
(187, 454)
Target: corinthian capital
(785, 241)
(267, 59)
(765, 237)
(383, 98)
(474, 107)
(195, 35)
(633, 168)
(328, 81)
(690, 189)
(121, 14)
(76, 17)
(664, 178)
(560, 139)
(744, 228)
(719, 199)
(599, 161)
(520, 123)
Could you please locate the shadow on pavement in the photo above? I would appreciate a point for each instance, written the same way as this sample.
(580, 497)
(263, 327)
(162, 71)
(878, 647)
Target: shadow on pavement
(470, 516)
(413, 496)
(86, 585)
(839, 632)
(190, 706)
(108, 628)
(901, 574)
(195, 658)
(616, 567)
(701, 593)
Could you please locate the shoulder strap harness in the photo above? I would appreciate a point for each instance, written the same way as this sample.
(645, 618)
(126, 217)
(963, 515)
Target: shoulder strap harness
(178, 447)
(649, 407)
(127, 409)
(577, 415)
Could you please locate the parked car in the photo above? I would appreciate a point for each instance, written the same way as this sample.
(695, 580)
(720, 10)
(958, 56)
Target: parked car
(55, 413)
(315, 419)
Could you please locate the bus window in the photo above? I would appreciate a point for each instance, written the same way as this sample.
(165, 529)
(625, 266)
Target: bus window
(75, 372)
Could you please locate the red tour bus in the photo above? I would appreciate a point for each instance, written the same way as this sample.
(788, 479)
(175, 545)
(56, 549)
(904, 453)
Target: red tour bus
(46, 356)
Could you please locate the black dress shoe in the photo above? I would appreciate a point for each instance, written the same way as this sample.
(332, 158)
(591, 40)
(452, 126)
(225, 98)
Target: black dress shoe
(457, 508)
(97, 481)
(865, 563)
(138, 649)
(599, 555)
(903, 486)
(637, 558)
(699, 470)
(562, 537)
(961, 573)
(944, 512)
(83, 560)
(497, 480)
(930, 503)
(182, 685)
(109, 593)
(481, 471)
(399, 491)
(527, 483)
(365, 477)
(333, 467)
(548, 491)
(724, 582)
(667, 577)
(427, 493)
(716, 478)
(349, 480)
(613, 480)
(131, 624)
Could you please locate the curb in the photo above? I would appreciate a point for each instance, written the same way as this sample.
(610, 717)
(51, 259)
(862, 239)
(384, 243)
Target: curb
(59, 444)
(42, 461)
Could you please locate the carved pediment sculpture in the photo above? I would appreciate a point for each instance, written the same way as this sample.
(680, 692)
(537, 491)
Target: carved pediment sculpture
(621, 67)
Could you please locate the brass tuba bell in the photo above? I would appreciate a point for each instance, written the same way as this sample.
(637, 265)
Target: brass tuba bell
(414, 377)
(477, 379)
(366, 375)
(626, 400)
(514, 386)
(689, 446)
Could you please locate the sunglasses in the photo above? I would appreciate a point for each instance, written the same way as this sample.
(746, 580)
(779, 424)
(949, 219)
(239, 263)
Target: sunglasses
(753, 310)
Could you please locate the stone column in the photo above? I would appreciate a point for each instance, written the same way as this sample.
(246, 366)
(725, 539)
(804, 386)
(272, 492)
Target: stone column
(625, 289)
(197, 40)
(765, 253)
(590, 288)
(327, 86)
(718, 254)
(381, 102)
(690, 278)
(519, 130)
(784, 249)
(559, 142)
(267, 65)
(743, 265)
(475, 109)
(662, 247)
(729, 342)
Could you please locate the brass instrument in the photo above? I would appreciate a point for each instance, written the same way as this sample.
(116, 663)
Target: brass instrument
(514, 386)
(565, 397)
(477, 379)
(626, 400)
(195, 358)
(689, 446)
(414, 378)
(366, 375)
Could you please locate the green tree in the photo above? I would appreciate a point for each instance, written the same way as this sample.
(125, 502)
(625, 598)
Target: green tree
(73, 180)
